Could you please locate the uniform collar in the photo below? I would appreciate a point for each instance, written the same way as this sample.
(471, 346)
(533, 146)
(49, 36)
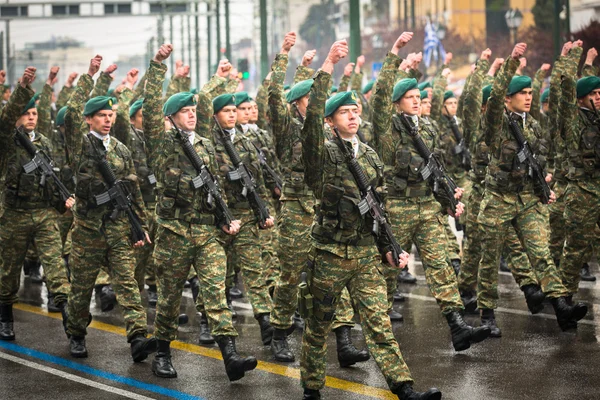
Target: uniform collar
(104, 138)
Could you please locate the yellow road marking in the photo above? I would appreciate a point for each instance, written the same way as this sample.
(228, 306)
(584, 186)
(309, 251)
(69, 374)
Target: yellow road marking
(266, 366)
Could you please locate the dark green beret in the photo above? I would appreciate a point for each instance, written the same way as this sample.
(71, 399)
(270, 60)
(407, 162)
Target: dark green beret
(60, 116)
(518, 83)
(36, 96)
(334, 89)
(110, 92)
(338, 100)
(29, 105)
(135, 107)
(115, 100)
(96, 104)
(194, 91)
(177, 102)
(223, 100)
(242, 97)
(299, 90)
(586, 85)
(545, 95)
(286, 87)
(424, 94)
(403, 86)
(4, 88)
(449, 94)
(369, 86)
(486, 91)
(424, 85)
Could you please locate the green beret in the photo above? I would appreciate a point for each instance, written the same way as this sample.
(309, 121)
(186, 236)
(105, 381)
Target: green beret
(96, 104)
(424, 85)
(403, 86)
(110, 92)
(299, 90)
(286, 87)
(60, 116)
(223, 100)
(29, 105)
(36, 96)
(115, 100)
(424, 94)
(545, 95)
(194, 91)
(177, 102)
(449, 94)
(586, 85)
(4, 88)
(242, 97)
(486, 91)
(334, 89)
(368, 87)
(338, 100)
(135, 107)
(518, 83)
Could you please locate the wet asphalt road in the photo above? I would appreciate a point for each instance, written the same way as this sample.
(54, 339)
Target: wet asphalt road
(533, 359)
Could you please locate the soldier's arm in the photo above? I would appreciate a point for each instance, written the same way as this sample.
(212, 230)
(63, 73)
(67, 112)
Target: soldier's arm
(536, 86)
(262, 102)
(401, 75)
(472, 99)
(213, 87)
(415, 73)
(437, 101)
(588, 67)
(63, 96)
(139, 89)
(11, 113)
(74, 116)
(303, 73)
(344, 83)
(102, 84)
(204, 114)
(44, 123)
(494, 113)
(122, 126)
(280, 115)
(138, 202)
(153, 121)
(568, 110)
(172, 87)
(461, 99)
(356, 81)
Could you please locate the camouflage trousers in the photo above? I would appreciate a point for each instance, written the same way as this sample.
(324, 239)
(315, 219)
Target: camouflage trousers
(173, 255)
(454, 247)
(418, 220)
(37, 226)
(557, 221)
(143, 255)
(498, 215)
(110, 248)
(366, 286)
(294, 222)
(582, 214)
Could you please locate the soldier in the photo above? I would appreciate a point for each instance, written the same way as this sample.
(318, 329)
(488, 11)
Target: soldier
(511, 200)
(29, 201)
(101, 233)
(344, 252)
(4, 90)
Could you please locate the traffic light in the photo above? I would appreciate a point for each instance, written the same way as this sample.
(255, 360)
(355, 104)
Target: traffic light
(243, 69)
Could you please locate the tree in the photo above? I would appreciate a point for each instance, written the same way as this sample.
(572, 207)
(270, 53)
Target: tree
(543, 14)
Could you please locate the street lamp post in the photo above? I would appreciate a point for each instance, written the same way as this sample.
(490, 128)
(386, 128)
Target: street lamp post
(513, 18)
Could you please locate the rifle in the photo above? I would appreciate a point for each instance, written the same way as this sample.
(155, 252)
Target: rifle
(433, 169)
(460, 149)
(370, 201)
(242, 173)
(204, 178)
(118, 195)
(263, 161)
(300, 117)
(525, 155)
(41, 162)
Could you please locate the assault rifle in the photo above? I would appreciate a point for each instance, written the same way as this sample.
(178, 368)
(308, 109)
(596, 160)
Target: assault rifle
(461, 148)
(263, 161)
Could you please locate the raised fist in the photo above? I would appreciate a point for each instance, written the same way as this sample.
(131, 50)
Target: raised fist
(52, 76)
(448, 58)
(95, 65)
(308, 57)
(71, 79)
(2, 76)
(28, 77)
(578, 43)
(163, 52)
(132, 77)
(486, 54)
(288, 42)
(566, 48)
(402, 40)
(348, 69)
(223, 68)
(589, 58)
(110, 69)
(338, 51)
(545, 67)
(360, 61)
(518, 51)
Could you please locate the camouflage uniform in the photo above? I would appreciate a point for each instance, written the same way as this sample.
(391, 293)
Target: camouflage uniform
(97, 240)
(343, 257)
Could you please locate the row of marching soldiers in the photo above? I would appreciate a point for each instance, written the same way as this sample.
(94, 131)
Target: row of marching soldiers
(276, 188)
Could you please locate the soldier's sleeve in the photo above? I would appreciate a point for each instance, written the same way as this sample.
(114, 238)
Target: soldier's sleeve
(437, 101)
(172, 88)
(494, 112)
(63, 96)
(461, 99)
(280, 114)
(139, 89)
(383, 109)
(472, 99)
(303, 73)
(44, 123)
(152, 111)
(415, 73)
(262, 102)
(231, 86)
(204, 114)
(356, 81)
(567, 109)
(122, 125)
(185, 84)
(74, 116)
(536, 87)
(102, 85)
(344, 83)
(555, 93)
(11, 112)
(313, 135)
(400, 75)
(213, 87)
(138, 202)
(589, 70)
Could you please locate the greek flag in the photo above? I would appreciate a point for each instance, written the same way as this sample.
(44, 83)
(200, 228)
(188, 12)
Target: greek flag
(433, 46)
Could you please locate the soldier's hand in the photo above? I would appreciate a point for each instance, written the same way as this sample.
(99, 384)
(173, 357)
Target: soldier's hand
(404, 38)
(28, 77)
(495, 66)
(348, 69)
(446, 72)
(164, 51)
(233, 74)
(277, 192)
(458, 192)
(223, 68)
(486, 54)
(288, 42)
(308, 57)
(70, 203)
(518, 51)
(178, 64)
(233, 228)
(360, 61)
(552, 197)
(269, 223)
(131, 78)
(448, 59)
(141, 243)
(548, 178)
(545, 67)
(52, 76)
(417, 60)
(402, 259)
(460, 208)
(71, 79)
(578, 43)
(591, 56)
(182, 71)
(566, 48)
(338, 51)
(110, 69)
(95, 65)
(2, 76)
(522, 65)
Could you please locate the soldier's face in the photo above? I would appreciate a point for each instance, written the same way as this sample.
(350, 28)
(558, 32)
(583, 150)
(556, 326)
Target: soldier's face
(450, 107)
(545, 107)
(29, 120)
(138, 120)
(100, 122)
(410, 103)
(185, 118)
(345, 119)
(227, 117)
(253, 113)
(520, 102)
(6, 95)
(302, 104)
(425, 107)
(368, 94)
(243, 113)
(592, 98)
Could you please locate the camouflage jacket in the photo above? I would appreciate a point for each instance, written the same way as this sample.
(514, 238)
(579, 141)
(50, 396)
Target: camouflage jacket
(365, 132)
(261, 139)
(63, 96)
(557, 159)
(262, 102)
(102, 85)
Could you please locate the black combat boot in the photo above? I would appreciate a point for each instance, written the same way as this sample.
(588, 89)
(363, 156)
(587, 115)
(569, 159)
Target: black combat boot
(406, 277)
(311, 394)
(280, 348)
(161, 365)
(235, 291)
(586, 275)
(534, 298)
(298, 321)
(567, 314)
(65, 318)
(195, 286)
(266, 329)
(35, 270)
(108, 298)
(469, 299)
(6, 322)
(455, 265)
(399, 296)
(504, 264)
(183, 319)
(395, 316)
(52, 307)
(348, 354)
(142, 347)
(230, 304)
(205, 336)
(404, 391)
(77, 347)
(464, 335)
(235, 365)
(152, 296)
(489, 319)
